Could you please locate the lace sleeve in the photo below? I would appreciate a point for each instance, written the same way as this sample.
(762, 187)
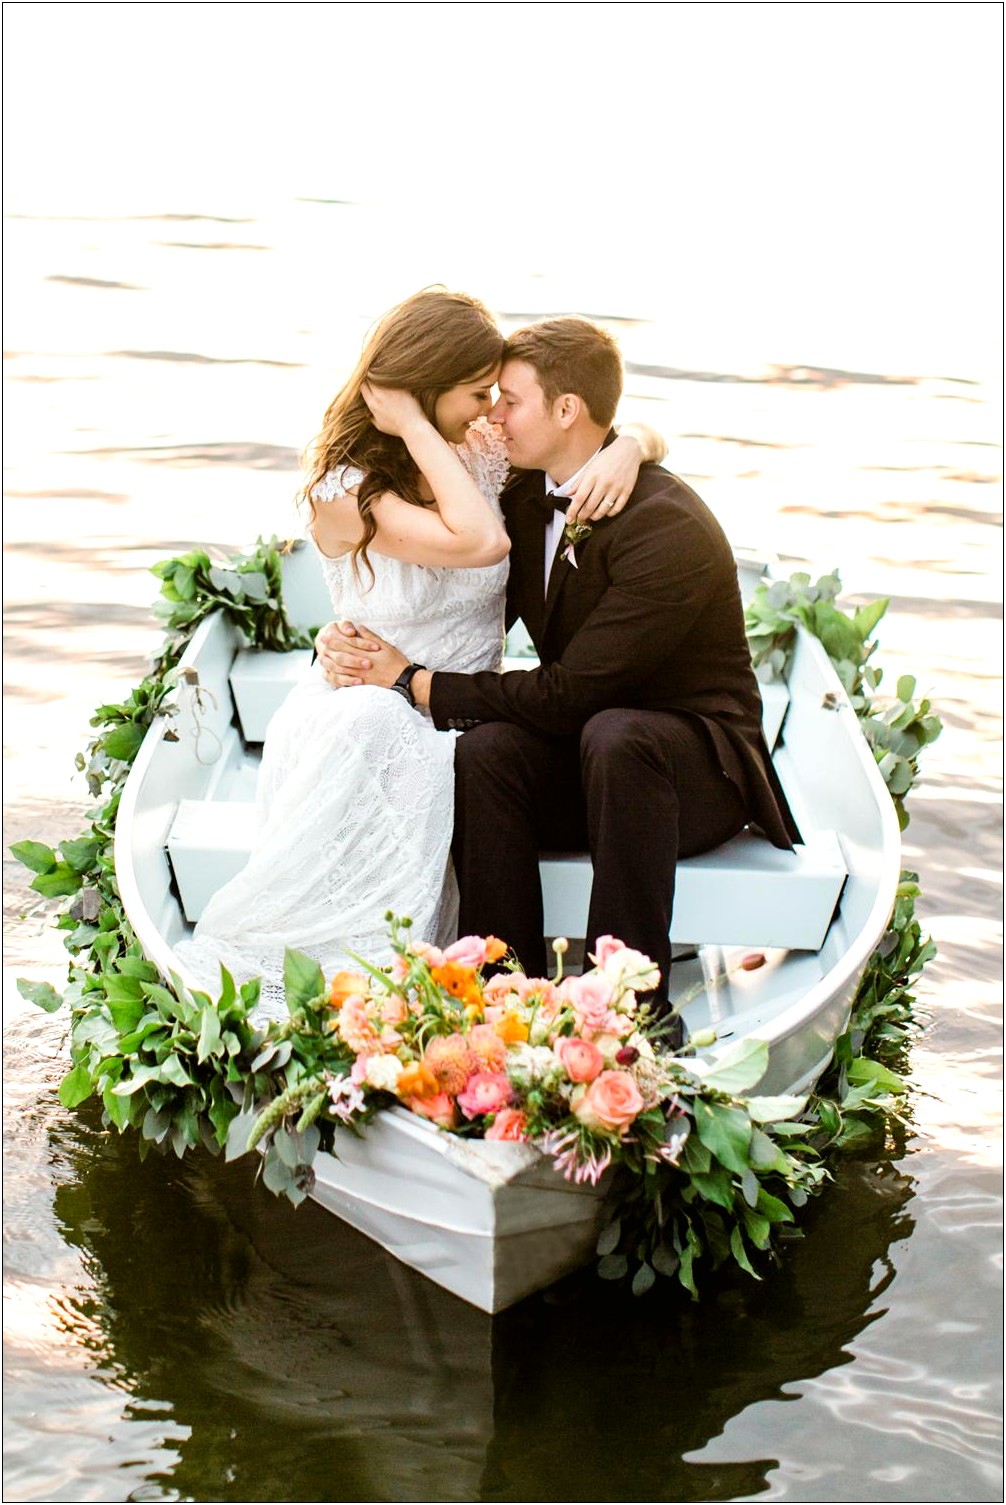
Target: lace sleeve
(484, 456)
(336, 483)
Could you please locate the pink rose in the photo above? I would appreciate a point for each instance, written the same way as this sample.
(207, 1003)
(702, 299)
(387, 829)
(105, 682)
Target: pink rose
(469, 951)
(486, 1092)
(612, 1102)
(590, 999)
(582, 1060)
(509, 1124)
(606, 946)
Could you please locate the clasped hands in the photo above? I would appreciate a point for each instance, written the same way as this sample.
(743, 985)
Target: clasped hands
(351, 655)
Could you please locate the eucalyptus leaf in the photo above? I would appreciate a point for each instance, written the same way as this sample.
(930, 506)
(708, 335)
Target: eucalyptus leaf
(607, 1242)
(643, 1280)
(613, 1267)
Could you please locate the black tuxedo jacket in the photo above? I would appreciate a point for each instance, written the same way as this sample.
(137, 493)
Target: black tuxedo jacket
(649, 617)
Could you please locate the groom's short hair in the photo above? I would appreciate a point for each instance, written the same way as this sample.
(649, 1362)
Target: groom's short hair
(572, 355)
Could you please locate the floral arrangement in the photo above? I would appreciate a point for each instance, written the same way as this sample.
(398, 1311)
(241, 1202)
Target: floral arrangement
(569, 1064)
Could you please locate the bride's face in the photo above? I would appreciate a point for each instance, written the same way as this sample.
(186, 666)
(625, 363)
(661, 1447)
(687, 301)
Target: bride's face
(459, 406)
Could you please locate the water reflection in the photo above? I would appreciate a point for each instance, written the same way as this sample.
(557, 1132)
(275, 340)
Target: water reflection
(297, 1361)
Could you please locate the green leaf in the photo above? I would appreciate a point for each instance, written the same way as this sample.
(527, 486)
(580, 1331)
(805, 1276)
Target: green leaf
(665, 1261)
(126, 1013)
(123, 742)
(75, 1087)
(35, 855)
(303, 979)
(643, 1280)
(119, 989)
(864, 1070)
(726, 1132)
(735, 1068)
(80, 855)
(607, 1243)
(119, 1109)
(740, 1253)
(58, 883)
(209, 1034)
(41, 993)
(770, 1110)
(613, 1267)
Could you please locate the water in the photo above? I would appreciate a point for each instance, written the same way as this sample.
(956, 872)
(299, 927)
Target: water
(175, 1333)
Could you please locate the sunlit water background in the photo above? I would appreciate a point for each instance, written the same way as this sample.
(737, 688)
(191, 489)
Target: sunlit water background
(175, 1333)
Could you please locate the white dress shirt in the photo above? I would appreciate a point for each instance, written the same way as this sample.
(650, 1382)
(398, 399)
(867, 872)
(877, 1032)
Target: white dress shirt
(554, 529)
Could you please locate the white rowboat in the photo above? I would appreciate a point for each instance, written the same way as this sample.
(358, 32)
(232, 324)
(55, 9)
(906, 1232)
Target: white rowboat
(494, 1222)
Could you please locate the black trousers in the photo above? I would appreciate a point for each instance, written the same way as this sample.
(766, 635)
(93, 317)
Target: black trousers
(637, 789)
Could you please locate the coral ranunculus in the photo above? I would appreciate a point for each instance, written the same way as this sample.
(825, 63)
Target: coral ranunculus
(487, 1092)
(582, 1059)
(611, 1102)
(495, 948)
(440, 1109)
(509, 1124)
(469, 951)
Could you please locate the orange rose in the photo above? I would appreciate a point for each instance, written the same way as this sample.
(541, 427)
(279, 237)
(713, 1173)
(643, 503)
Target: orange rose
(343, 984)
(417, 1081)
(495, 949)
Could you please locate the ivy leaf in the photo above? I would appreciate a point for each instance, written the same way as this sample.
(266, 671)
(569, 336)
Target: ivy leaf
(726, 1132)
(209, 1035)
(80, 855)
(75, 1087)
(41, 993)
(864, 1070)
(123, 742)
(58, 883)
(734, 1069)
(769, 1110)
(35, 855)
(303, 979)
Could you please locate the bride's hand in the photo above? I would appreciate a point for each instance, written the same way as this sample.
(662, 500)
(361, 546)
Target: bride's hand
(392, 410)
(607, 481)
(353, 655)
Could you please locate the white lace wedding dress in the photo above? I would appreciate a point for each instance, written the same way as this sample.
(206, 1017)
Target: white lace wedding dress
(356, 788)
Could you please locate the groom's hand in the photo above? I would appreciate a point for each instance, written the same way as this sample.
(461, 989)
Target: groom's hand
(351, 655)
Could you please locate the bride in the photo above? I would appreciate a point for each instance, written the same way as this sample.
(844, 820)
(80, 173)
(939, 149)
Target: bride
(355, 795)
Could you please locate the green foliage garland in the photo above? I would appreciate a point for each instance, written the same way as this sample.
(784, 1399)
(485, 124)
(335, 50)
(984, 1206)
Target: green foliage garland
(718, 1180)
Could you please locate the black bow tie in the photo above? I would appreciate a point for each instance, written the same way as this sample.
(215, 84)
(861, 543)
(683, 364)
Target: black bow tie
(550, 503)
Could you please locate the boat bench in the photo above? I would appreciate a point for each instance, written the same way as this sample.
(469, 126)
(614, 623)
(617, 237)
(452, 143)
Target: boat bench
(744, 893)
(261, 681)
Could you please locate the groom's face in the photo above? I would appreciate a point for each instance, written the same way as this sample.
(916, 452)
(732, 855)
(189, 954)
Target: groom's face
(530, 431)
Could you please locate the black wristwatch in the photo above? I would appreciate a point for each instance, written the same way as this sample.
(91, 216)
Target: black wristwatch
(403, 684)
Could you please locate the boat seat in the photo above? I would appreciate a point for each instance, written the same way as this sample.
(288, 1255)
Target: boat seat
(744, 893)
(261, 681)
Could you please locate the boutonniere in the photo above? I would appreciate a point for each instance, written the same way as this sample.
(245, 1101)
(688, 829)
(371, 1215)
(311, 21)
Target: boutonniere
(575, 533)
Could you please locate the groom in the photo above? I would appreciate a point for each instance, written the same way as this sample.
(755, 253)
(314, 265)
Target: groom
(639, 736)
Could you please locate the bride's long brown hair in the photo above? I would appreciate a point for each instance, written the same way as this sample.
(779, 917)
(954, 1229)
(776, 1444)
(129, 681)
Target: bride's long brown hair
(433, 341)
